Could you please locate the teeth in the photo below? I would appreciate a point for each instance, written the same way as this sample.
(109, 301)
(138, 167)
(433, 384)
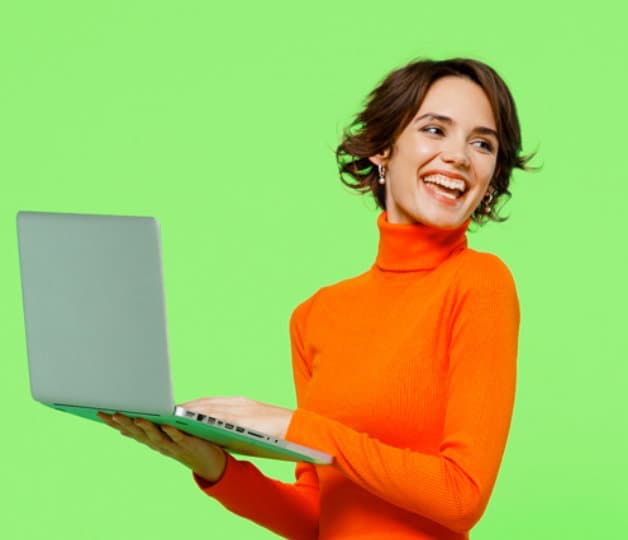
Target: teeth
(451, 183)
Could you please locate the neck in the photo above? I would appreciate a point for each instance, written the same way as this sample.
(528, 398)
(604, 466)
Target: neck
(413, 246)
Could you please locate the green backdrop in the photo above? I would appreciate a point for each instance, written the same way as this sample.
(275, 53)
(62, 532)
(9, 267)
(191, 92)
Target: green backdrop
(221, 120)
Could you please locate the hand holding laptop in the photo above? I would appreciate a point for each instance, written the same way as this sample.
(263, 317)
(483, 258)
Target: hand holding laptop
(256, 415)
(95, 321)
(204, 458)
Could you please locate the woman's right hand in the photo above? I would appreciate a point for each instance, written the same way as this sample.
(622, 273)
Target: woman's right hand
(206, 459)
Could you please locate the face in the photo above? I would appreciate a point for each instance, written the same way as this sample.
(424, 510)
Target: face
(442, 162)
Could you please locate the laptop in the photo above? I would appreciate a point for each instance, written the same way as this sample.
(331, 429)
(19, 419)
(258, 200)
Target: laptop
(95, 324)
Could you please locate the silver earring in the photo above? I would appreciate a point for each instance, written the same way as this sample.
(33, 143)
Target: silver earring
(382, 174)
(486, 202)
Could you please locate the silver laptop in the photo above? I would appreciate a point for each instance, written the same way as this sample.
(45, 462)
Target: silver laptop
(95, 323)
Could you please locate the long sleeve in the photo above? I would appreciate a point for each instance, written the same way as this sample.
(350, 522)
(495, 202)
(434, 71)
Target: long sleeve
(290, 510)
(452, 485)
(406, 375)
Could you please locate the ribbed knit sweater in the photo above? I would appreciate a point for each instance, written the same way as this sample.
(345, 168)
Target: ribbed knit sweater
(406, 374)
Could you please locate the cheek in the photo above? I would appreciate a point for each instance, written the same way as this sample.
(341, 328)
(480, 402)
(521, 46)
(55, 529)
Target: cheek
(485, 170)
(425, 151)
(413, 153)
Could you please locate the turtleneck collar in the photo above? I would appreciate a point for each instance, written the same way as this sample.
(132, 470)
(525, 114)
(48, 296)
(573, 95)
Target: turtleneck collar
(404, 248)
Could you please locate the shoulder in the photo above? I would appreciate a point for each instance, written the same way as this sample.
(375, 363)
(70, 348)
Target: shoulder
(483, 281)
(333, 294)
(478, 268)
(338, 291)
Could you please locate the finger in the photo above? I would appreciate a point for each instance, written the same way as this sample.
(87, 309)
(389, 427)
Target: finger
(197, 404)
(209, 402)
(185, 445)
(152, 432)
(128, 427)
(175, 435)
(192, 451)
(226, 408)
(106, 418)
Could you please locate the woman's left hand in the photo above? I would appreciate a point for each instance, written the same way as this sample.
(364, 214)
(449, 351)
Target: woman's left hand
(245, 412)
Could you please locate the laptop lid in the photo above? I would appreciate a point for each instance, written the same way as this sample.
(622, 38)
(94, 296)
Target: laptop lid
(94, 311)
(96, 327)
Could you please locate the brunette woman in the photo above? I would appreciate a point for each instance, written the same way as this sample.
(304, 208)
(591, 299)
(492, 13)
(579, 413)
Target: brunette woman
(405, 373)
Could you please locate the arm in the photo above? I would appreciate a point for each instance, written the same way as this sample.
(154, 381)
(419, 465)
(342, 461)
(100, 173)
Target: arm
(289, 510)
(451, 487)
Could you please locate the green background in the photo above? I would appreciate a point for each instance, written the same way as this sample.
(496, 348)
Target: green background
(221, 120)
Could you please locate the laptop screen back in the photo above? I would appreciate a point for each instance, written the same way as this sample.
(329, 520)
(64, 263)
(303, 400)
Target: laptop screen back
(94, 311)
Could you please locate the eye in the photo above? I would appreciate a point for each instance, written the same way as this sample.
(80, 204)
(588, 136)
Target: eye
(433, 130)
(487, 146)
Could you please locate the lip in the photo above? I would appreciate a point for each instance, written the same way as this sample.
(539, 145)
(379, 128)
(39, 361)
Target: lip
(450, 174)
(432, 192)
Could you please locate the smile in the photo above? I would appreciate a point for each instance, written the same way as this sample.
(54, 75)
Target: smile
(449, 188)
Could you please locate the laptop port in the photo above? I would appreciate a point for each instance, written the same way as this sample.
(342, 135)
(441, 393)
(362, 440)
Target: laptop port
(240, 429)
(229, 426)
(200, 417)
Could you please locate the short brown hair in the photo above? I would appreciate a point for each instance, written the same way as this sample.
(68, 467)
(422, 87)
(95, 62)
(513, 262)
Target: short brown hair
(392, 105)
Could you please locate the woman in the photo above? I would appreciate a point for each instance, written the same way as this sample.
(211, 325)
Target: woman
(406, 373)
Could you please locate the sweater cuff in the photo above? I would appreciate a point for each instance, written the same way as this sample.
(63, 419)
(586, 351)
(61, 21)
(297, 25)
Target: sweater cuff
(310, 429)
(225, 485)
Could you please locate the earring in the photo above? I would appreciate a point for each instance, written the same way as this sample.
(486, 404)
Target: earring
(486, 202)
(382, 174)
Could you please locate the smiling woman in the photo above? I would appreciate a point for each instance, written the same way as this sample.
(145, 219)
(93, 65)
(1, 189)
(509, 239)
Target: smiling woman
(405, 373)
(442, 162)
(456, 117)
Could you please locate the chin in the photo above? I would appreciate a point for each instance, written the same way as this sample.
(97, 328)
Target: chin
(446, 222)
(447, 226)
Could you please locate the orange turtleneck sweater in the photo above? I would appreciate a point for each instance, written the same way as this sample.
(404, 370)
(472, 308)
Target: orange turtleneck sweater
(406, 374)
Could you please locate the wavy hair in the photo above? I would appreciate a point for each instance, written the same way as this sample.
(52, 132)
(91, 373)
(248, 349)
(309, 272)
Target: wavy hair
(393, 104)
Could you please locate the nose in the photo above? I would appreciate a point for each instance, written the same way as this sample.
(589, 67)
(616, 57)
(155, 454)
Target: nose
(456, 154)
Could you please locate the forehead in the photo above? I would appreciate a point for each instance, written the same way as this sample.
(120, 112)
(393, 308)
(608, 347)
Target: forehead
(461, 99)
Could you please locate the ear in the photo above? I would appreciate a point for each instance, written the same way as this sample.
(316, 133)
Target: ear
(381, 158)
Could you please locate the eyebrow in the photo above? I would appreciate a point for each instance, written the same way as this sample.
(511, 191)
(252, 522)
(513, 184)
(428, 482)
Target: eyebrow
(446, 120)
